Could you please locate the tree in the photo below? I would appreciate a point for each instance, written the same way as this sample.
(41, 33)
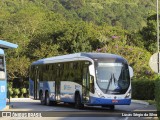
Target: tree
(149, 34)
(17, 67)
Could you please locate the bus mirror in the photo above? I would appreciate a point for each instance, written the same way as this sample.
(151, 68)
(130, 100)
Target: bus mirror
(91, 70)
(131, 71)
(2, 75)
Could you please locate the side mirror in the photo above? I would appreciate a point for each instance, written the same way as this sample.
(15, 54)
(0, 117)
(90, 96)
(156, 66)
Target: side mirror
(131, 71)
(2, 75)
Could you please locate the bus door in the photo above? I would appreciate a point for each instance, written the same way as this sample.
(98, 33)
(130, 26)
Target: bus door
(57, 83)
(36, 81)
(85, 84)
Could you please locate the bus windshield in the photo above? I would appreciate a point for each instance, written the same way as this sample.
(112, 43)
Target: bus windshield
(113, 78)
(1, 64)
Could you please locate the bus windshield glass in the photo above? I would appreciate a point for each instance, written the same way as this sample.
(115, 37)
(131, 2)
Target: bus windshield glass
(113, 78)
(1, 64)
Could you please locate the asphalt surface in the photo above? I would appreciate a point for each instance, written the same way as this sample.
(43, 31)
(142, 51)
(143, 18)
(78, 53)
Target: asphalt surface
(68, 112)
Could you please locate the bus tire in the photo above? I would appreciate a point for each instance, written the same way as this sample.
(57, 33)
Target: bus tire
(78, 103)
(112, 107)
(42, 99)
(47, 100)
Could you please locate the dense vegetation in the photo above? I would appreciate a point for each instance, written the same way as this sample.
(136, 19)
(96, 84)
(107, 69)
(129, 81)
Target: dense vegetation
(44, 28)
(143, 89)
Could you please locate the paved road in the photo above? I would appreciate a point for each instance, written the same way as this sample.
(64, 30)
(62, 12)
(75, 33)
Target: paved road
(68, 112)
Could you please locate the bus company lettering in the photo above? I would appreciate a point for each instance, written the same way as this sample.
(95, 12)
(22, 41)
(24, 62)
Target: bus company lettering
(2, 89)
(77, 87)
(67, 87)
(41, 85)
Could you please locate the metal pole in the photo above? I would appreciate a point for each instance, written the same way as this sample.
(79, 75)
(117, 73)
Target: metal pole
(157, 27)
(158, 37)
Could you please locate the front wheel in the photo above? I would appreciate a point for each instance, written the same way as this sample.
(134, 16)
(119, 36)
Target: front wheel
(47, 100)
(111, 107)
(78, 103)
(42, 99)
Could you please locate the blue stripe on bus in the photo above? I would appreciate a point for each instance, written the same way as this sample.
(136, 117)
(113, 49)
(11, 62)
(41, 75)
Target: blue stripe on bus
(3, 94)
(103, 101)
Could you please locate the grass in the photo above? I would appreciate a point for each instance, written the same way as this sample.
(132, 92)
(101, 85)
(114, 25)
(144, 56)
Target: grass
(151, 102)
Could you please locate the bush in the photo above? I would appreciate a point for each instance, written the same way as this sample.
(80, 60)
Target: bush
(10, 90)
(23, 91)
(157, 95)
(143, 89)
(16, 92)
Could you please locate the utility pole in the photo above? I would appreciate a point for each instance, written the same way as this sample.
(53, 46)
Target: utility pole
(154, 61)
(158, 39)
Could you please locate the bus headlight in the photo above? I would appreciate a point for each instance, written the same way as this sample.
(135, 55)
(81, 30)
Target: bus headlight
(51, 94)
(100, 95)
(128, 94)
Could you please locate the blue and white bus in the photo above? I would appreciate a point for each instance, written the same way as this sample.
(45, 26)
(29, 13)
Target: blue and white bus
(3, 78)
(3, 82)
(93, 79)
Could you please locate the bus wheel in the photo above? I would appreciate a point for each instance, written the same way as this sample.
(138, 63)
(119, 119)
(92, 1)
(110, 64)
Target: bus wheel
(42, 99)
(78, 103)
(112, 107)
(47, 100)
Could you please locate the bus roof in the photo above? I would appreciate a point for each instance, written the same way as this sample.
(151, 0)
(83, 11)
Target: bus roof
(6, 45)
(78, 56)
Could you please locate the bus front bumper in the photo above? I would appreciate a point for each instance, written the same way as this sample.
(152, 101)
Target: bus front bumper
(103, 101)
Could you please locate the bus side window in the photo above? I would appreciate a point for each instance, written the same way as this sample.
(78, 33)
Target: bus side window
(1, 64)
(53, 72)
(57, 70)
(65, 72)
(40, 73)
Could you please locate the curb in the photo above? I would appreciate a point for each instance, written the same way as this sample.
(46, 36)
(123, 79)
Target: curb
(140, 102)
(9, 106)
(20, 99)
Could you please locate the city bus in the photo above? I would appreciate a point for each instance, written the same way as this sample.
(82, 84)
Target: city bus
(3, 82)
(3, 78)
(93, 79)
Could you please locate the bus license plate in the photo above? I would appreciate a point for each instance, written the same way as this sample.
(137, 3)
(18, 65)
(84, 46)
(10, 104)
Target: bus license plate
(114, 101)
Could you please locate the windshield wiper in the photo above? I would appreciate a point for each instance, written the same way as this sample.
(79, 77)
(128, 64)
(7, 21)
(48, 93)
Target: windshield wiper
(110, 80)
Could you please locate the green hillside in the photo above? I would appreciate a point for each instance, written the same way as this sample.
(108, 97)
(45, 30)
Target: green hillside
(44, 28)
